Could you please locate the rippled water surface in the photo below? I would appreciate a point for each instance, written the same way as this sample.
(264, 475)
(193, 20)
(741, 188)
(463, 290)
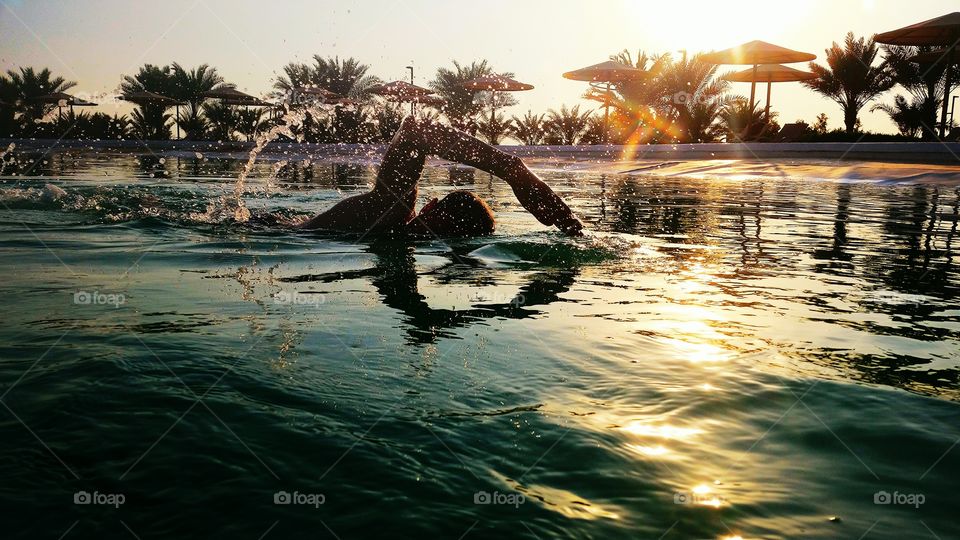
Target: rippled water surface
(717, 358)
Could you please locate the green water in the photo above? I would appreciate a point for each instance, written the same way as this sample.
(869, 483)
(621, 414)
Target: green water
(717, 358)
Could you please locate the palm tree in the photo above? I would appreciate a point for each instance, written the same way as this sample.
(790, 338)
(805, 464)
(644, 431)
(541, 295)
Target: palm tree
(675, 102)
(150, 120)
(738, 122)
(528, 130)
(495, 128)
(696, 98)
(223, 121)
(20, 86)
(249, 121)
(850, 78)
(910, 117)
(8, 99)
(294, 75)
(104, 126)
(462, 105)
(189, 87)
(387, 118)
(566, 126)
(923, 82)
(345, 77)
(352, 125)
(348, 77)
(594, 132)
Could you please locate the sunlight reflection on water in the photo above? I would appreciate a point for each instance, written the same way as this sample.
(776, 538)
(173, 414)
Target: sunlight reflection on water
(715, 358)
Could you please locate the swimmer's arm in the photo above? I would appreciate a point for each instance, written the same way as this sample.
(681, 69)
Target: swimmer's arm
(343, 216)
(534, 194)
(361, 213)
(541, 201)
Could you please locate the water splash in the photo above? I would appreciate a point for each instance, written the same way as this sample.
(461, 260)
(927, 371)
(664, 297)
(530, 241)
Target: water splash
(286, 126)
(3, 156)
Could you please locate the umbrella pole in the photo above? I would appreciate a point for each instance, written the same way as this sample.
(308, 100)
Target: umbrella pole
(493, 115)
(753, 88)
(946, 91)
(606, 115)
(177, 109)
(769, 83)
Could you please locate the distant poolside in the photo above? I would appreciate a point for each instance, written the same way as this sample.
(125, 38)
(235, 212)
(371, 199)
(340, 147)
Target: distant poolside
(885, 162)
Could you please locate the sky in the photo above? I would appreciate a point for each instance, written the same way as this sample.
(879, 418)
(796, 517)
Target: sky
(95, 42)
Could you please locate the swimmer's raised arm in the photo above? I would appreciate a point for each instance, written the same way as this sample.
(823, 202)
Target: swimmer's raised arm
(534, 194)
(390, 204)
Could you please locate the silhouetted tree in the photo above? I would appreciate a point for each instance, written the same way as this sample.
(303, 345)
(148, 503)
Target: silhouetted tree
(464, 106)
(189, 86)
(494, 129)
(151, 120)
(850, 78)
(925, 85)
(347, 77)
(528, 130)
(566, 126)
(16, 90)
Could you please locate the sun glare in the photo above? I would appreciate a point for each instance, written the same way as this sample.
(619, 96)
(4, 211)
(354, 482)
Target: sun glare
(703, 25)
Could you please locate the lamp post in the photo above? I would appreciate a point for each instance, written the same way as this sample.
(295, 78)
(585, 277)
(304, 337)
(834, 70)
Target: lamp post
(953, 107)
(171, 71)
(412, 104)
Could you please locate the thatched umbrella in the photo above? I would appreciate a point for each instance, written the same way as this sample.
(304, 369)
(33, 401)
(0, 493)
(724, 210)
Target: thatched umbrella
(769, 73)
(431, 101)
(228, 95)
(255, 102)
(754, 54)
(934, 57)
(942, 31)
(401, 91)
(609, 72)
(494, 84)
(61, 100)
(151, 98)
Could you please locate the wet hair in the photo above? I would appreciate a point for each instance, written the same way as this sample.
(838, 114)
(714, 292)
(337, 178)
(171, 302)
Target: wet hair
(462, 213)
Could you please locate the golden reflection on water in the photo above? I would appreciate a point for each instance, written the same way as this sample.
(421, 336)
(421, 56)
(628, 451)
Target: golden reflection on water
(642, 429)
(704, 496)
(564, 502)
(649, 451)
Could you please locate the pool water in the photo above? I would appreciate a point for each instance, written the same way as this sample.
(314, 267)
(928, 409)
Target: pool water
(765, 358)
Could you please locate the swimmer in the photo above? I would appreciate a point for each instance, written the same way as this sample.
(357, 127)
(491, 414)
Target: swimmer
(389, 206)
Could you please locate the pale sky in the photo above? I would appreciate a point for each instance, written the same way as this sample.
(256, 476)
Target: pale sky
(94, 42)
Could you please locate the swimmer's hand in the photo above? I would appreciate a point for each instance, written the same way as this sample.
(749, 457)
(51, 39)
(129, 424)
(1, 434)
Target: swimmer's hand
(571, 226)
(545, 205)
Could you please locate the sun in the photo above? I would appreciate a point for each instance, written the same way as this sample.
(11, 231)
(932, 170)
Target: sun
(703, 25)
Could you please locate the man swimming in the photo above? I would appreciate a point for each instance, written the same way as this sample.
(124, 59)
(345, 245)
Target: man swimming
(389, 206)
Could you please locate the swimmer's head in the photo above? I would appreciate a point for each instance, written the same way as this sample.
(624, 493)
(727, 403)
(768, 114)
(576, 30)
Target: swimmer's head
(460, 213)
